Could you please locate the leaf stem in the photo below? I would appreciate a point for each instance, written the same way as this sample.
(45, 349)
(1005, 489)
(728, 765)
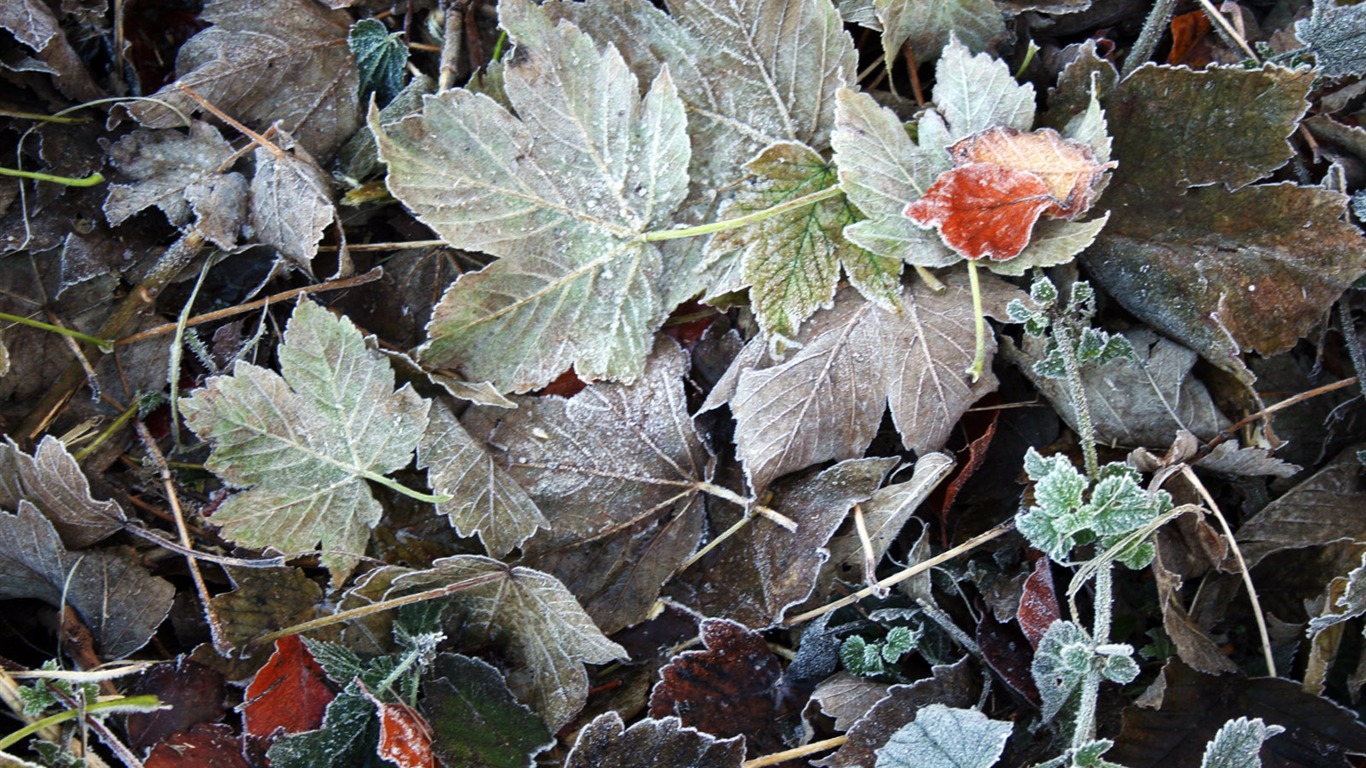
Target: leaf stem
(68, 181)
(105, 345)
(1062, 334)
(1153, 28)
(979, 318)
(405, 490)
(741, 221)
(121, 704)
(1084, 730)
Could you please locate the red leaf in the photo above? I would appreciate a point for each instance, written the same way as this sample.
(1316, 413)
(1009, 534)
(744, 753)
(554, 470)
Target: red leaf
(194, 692)
(405, 739)
(289, 693)
(203, 746)
(1006, 651)
(983, 210)
(566, 384)
(1038, 603)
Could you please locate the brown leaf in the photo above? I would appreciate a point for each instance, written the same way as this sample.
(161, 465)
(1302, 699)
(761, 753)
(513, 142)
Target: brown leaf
(291, 205)
(52, 481)
(265, 600)
(608, 743)
(405, 739)
(194, 694)
(1322, 509)
(1068, 168)
(203, 746)
(982, 209)
(1038, 602)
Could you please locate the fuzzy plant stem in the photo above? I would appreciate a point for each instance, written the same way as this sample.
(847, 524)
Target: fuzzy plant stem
(1084, 730)
(1153, 28)
(1062, 333)
(741, 221)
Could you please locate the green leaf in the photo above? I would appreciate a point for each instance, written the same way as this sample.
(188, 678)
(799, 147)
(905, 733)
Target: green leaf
(347, 738)
(544, 631)
(305, 443)
(792, 261)
(1060, 663)
(861, 658)
(1337, 36)
(945, 737)
(1238, 744)
(380, 59)
(929, 25)
(476, 722)
(560, 191)
(899, 642)
(975, 93)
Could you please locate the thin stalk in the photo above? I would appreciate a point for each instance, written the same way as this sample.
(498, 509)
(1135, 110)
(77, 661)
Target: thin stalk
(1062, 334)
(794, 753)
(1153, 28)
(122, 704)
(405, 490)
(1084, 729)
(109, 431)
(740, 221)
(979, 318)
(105, 345)
(66, 181)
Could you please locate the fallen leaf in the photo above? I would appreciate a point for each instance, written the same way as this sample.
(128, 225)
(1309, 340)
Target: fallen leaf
(544, 630)
(618, 470)
(1334, 33)
(291, 205)
(348, 736)
(1322, 509)
(203, 746)
(381, 56)
(405, 739)
(1038, 602)
(305, 442)
(263, 62)
(288, 695)
(608, 743)
(847, 697)
(193, 695)
(726, 690)
(983, 210)
(475, 721)
(53, 483)
(1072, 172)
(929, 25)
(946, 737)
(118, 600)
(532, 190)
(1009, 652)
(264, 600)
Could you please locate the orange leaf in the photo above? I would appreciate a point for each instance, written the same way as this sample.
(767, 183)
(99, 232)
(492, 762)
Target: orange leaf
(405, 739)
(288, 693)
(1069, 168)
(983, 210)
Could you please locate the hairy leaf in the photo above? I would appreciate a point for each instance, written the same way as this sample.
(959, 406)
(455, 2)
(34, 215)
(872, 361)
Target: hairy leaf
(560, 191)
(484, 499)
(617, 470)
(347, 737)
(476, 722)
(608, 743)
(930, 25)
(945, 737)
(1337, 35)
(1060, 663)
(53, 483)
(545, 631)
(305, 442)
(381, 57)
(1238, 744)
(265, 61)
(118, 600)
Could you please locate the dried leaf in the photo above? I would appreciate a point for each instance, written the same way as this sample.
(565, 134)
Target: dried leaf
(608, 743)
(1038, 602)
(118, 600)
(192, 694)
(53, 483)
(476, 722)
(983, 210)
(203, 746)
(847, 697)
(617, 470)
(265, 600)
(930, 25)
(291, 205)
(405, 739)
(484, 499)
(562, 200)
(756, 575)
(1322, 509)
(726, 690)
(827, 400)
(289, 694)
(31, 23)
(1350, 604)
(547, 635)
(945, 737)
(265, 61)
(1071, 171)
(306, 442)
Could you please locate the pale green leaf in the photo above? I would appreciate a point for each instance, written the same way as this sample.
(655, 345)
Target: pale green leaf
(561, 191)
(792, 261)
(929, 25)
(484, 500)
(544, 630)
(1060, 663)
(882, 170)
(945, 737)
(1336, 33)
(1238, 744)
(303, 444)
(975, 93)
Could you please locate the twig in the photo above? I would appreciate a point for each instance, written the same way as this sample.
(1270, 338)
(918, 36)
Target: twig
(452, 47)
(1226, 30)
(1286, 403)
(221, 115)
(794, 753)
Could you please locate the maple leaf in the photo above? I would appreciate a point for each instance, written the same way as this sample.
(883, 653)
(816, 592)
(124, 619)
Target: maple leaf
(546, 632)
(305, 443)
(560, 192)
(619, 471)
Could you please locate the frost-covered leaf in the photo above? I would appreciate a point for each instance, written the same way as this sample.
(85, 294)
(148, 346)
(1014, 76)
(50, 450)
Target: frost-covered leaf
(31, 22)
(975, 93)
(289, 694)
(757, 574)
(476, 723)
(608, 743)
(1238, 744)
(1337, 36)
(405, 739)
(264, 61)
(1060, 663)
(347, 737)
(792, 261)
(560, 191)
(827, 400)
(381, 57)
(305, 442)
(946, 737)
(484, 499)
(1349, 605)
(180, 173)
(751, 72)
(291, 205)
(545, 632)
(617, 471)
(930, 25)
(53, 483)
(115, 596)
(1321, 509)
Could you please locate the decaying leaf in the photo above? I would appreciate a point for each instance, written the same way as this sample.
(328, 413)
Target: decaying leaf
(929, 25)
(289, 694)
(305, 442)
(1336, 33)
(405, 739)
(608, 743)
(1322, 509)
(268, 61)
(53, 483)
(117, 599)
(291, 205)
(618, 470)
(545, 632)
